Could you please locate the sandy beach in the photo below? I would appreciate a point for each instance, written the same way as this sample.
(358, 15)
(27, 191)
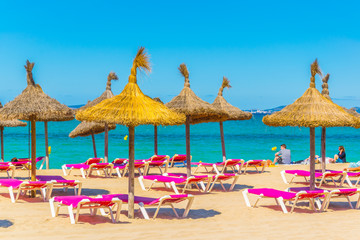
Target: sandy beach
(218, 214)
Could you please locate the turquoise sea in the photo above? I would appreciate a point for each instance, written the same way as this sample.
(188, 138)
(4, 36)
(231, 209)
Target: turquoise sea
(249, 139)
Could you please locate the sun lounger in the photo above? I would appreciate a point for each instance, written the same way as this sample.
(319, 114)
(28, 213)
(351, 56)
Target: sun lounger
(318, 175)
(7, 169)
(178, 158)
(157, 161)
(281, 197)
(220, 178)
(145, 202)
(234, 164)
(352, 175)
(92, 164)
(343, 193)
(122, 169)
(25, 163)
(60, 182)
(173, 182)
(255, 163)
(44, 187)
(84, 202)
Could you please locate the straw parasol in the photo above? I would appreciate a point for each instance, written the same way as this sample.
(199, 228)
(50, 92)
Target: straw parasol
(86, 127)
(8, 123)
(234, 113)
(312, 110)
(195, 109)
(326, 94)
(34, 105)
(132, 108)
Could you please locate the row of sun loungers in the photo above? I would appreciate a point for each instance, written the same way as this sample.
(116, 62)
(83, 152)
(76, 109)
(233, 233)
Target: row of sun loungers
(295, 195)
(113, 203)
(342, 176)
(235, 164)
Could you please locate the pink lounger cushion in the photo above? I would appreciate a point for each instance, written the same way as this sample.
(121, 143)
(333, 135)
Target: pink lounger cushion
(273, 193)
(75, 200)
(145, 200)
(302, 173)
(160, 178)
(179, 157)
(58, 179)
(87, 166)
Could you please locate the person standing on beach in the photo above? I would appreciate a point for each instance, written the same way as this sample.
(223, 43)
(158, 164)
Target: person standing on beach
(283, 156)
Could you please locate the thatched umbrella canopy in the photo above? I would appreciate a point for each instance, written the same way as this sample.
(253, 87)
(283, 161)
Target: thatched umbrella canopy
(234, 113)
(34, 105)
(325, 92)
(8, 123)
(132, 108)
(195, 109)
(86, 127)
(312, 110)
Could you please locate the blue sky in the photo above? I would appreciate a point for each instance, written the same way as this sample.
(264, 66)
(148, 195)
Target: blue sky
(265, 48)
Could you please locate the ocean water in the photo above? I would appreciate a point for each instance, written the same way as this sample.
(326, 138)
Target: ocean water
(249, 139)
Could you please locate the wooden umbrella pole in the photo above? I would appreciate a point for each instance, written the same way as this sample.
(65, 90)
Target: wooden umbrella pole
(222, 141)
(131, 172)
(2, 143)
(46, 145)
(106, 142)
(33, 153)
(188, 154)
(323, 149)
(312, 158)
(94, 145)
(155, 140)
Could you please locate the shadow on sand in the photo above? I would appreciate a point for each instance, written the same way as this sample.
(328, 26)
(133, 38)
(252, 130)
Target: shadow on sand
(6, 223)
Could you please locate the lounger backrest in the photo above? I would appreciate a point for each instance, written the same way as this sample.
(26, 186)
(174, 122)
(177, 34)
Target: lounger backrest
(159, 157)
(120, 160)
(93, 160)
(179, 157)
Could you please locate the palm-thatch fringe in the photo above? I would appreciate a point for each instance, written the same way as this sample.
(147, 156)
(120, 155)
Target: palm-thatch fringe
(191, 105)
(88, 128)
(222, 105)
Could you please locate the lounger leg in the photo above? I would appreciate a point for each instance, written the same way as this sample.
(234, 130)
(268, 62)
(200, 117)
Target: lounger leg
(118, 172)
(347, 179)
(215, 168)
(79, 188)
(357, 182)
(118, 210)
(18, 195)
(196, 169)
(258, 199)
(282, 173)
(282, 204)
(11, 193)
(222, 185)
(83, 173)
(141, 181)
(202, 186)
(175, 188)
(64, 169)
(77, 213)
(143, 211)
(175, 212)
(71, 214)
(43, 193)
(52, 209)
(188, 206)
(318, 203)
(246, 198)
(236, 178)
(160, 170)
(358, 202)
(157, 211)
(351, 206)
(263, 168)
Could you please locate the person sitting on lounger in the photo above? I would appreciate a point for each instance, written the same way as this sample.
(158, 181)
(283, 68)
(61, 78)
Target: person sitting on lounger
(283, 156)
(340, 157)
